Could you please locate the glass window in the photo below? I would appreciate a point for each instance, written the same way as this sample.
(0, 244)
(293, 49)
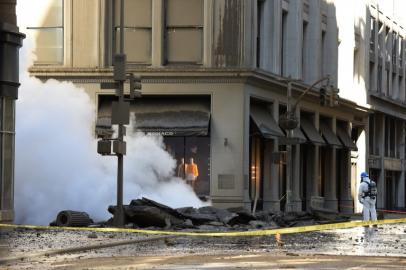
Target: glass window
(49, 45)
(177, 53)
(137, 30)
(283, 41)
(192, 155)
(305, 50)
(137, 44)
(49, 35)
(372, 34)
(184, 31)
(394, 46)
(380, 78)
(323, 56)
(401, 44)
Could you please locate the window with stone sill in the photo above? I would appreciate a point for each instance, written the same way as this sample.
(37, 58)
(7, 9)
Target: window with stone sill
(372, 34)
(183, 31)
(137, 30)
(49, 36)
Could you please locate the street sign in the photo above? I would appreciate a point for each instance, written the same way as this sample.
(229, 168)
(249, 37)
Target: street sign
(120, 113)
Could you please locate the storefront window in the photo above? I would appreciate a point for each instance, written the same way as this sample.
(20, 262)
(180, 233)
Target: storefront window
(192, 155)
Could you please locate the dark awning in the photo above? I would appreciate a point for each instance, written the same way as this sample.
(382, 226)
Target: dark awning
(311, 132)
(329, 135)
(297, 138)
(167, 117)
(346, 139)
(265, 122)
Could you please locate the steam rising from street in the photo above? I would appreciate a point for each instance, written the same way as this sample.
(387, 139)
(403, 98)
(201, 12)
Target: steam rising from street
(57, 165)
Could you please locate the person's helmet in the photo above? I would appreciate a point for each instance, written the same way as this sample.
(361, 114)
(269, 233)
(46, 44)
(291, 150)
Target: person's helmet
(364, 174)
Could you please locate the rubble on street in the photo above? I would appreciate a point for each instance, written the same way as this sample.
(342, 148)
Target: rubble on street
(146, 213)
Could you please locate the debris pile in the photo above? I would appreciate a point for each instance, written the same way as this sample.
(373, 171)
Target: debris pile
(144, 213)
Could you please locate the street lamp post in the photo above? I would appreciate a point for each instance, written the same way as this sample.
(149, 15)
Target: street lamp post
(289, 122)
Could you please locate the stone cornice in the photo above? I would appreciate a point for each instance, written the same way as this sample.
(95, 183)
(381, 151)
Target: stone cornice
(192, 75)
(388, 105)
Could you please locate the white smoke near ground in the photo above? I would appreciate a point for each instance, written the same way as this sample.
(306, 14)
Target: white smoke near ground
(56, 162)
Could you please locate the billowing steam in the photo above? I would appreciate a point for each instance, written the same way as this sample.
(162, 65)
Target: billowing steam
(57, 166)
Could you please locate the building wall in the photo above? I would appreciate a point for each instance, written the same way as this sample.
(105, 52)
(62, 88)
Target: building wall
(372, 68)
(249, 49)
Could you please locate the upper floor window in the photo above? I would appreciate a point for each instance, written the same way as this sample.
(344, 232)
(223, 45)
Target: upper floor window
(284, 29)
(260, 30)
(49, 35)
(323, 53)
(184, 31)
(380, 34)
(372, 35)
(394, 47)
(305, 50)
(401, 50)
(137, 30)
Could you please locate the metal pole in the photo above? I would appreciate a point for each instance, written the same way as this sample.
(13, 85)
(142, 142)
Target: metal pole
(288, 207)
(290, 113)
(122, 27)
(119, 215)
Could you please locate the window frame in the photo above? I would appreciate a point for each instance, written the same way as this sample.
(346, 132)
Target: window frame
(187, 27)
(115, 37)
(38, 62)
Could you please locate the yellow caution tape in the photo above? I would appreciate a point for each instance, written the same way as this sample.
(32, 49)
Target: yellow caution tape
(310, 228)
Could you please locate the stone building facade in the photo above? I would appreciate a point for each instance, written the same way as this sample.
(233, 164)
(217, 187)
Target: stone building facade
(214, 77)
(377, 56)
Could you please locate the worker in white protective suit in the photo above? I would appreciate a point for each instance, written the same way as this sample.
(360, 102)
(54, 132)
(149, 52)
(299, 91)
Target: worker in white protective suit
(367, 197)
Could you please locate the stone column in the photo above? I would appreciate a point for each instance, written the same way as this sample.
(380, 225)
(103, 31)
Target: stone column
(296, 200)
(294, 35)
(85, 40)
(309, 175)
(275, 34)
(315, 194)
(313, 40)
(331, 180)
(401, 184)
(380, 125)
(208, 33)
(157, 33)
(10, 42)
(330, 58)
(346, 199)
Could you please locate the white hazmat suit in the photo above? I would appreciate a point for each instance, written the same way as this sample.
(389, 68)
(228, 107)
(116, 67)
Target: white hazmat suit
(369, 209)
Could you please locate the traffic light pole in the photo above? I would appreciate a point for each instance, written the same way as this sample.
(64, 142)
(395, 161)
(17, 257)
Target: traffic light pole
(120, 116)
(119, 214)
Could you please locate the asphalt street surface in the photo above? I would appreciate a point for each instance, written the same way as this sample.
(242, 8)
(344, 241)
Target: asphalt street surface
(356, 248)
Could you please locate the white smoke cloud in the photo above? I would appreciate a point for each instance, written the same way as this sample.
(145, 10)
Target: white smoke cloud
(57, 166)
